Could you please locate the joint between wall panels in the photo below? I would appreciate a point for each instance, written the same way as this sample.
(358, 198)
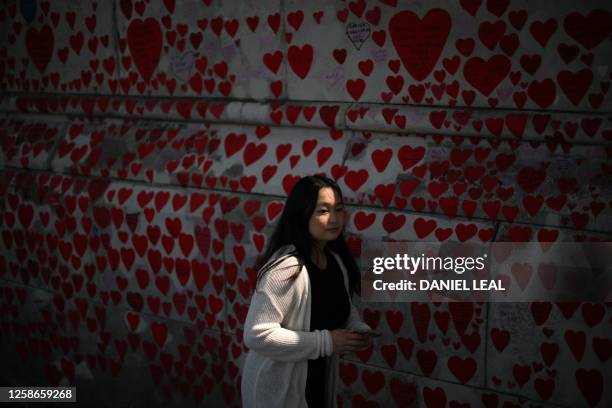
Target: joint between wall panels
(361, 206)
(348, 116)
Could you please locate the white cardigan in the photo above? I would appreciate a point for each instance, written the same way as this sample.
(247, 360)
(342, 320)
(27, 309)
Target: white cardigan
(277, 333)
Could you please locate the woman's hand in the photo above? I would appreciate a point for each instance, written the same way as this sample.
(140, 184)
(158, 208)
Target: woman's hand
(346, 341)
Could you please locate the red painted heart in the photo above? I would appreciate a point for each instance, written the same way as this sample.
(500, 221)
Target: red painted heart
(145, 43)
(419, 42)
(40, 46)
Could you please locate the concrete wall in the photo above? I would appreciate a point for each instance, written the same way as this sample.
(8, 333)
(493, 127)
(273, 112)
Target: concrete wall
(148, 146)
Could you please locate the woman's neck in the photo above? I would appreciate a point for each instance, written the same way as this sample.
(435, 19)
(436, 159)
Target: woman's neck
(319, 255)
(318, 247)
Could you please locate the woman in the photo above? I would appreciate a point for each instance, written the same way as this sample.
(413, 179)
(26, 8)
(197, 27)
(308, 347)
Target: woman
(301, 317)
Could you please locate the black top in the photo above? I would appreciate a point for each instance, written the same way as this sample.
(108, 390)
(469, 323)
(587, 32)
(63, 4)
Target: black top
(330, 308)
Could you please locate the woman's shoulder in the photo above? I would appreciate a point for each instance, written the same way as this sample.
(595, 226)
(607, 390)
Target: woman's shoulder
(283, 264)
(278, 279)
(287, 261)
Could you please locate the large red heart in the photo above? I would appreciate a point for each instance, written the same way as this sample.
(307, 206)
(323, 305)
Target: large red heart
(486, 75)
(40, 46)
(145, 43)
(575, 85)
(590, 30)
(462, 368)
(419, 43)
(300, 59)
(591, 385)
(160, 333)
(530, 178)
(543, 93)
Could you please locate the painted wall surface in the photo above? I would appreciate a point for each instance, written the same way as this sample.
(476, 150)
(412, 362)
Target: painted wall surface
(147, 148)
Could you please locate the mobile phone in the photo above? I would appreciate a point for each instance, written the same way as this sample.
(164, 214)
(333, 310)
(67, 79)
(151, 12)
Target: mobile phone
(370, 333)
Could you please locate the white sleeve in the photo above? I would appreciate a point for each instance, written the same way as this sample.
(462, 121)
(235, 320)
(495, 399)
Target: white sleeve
(271, 301)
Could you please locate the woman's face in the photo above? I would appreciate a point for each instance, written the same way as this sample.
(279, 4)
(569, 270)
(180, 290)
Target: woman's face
(327, 220)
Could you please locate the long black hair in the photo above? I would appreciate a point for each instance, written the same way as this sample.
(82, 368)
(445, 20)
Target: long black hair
(292, 228)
